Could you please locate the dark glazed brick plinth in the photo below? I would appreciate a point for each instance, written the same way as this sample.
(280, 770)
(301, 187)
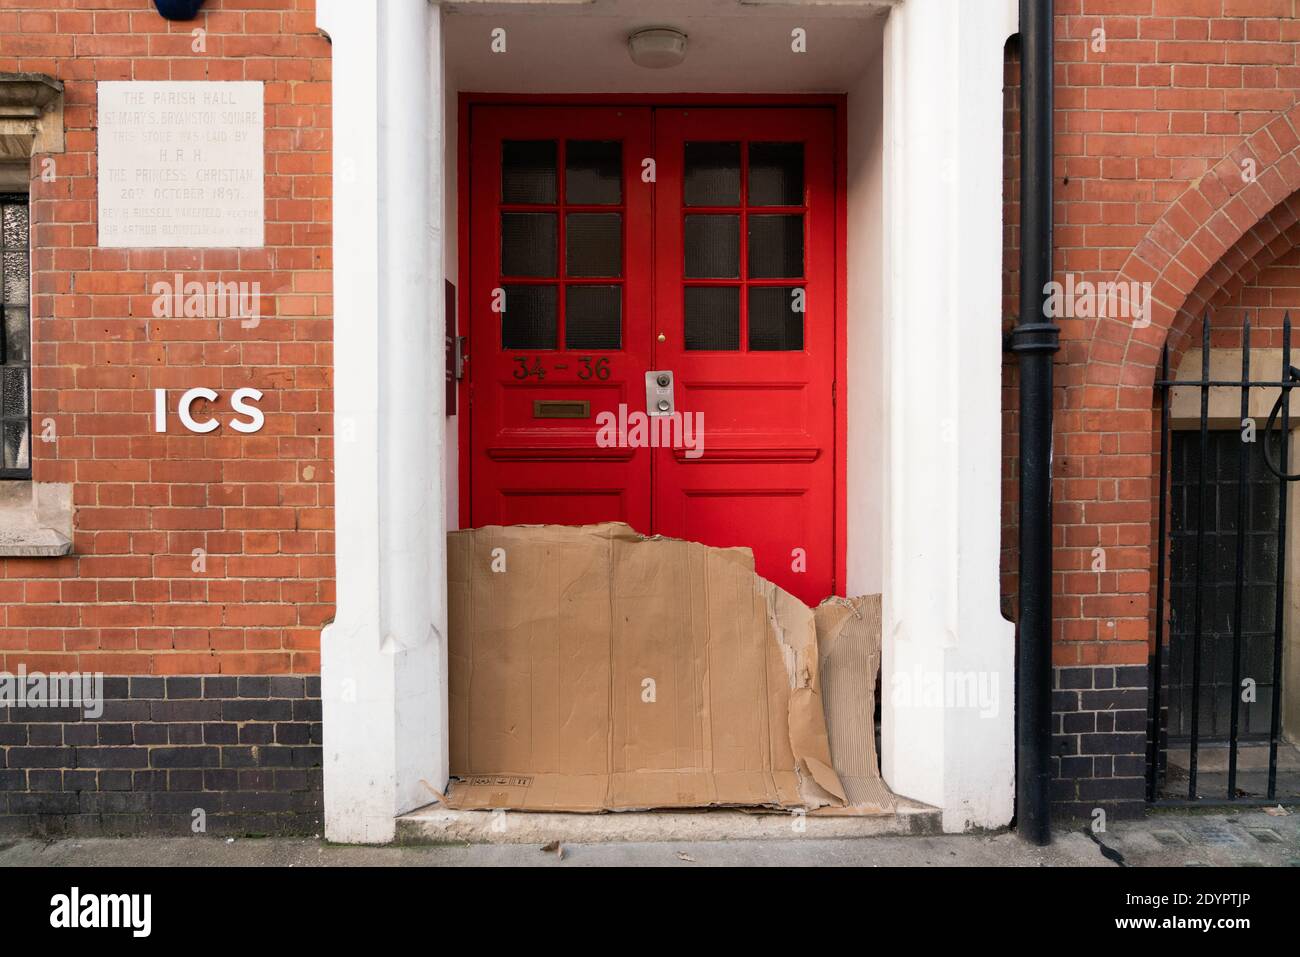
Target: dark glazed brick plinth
(245, 750)
(1099, 740)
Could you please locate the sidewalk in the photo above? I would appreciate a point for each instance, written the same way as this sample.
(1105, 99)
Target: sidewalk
(1162, 839)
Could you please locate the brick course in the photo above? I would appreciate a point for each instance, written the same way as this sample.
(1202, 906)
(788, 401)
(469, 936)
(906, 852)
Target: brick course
(245, 750)
(1099, 740)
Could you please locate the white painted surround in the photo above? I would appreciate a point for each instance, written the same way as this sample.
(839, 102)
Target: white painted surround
(924, 266)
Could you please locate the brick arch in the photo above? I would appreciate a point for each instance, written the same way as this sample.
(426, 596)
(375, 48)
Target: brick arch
(1277, 234)
(1190, 253)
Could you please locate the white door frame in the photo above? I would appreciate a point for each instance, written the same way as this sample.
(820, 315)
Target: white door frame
(384, 657)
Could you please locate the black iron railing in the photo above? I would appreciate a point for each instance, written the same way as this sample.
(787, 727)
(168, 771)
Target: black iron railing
(1204, 515)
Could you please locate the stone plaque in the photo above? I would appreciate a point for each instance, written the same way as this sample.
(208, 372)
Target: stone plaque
(180, 164)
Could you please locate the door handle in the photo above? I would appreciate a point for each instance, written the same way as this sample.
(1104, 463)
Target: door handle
(659, 399)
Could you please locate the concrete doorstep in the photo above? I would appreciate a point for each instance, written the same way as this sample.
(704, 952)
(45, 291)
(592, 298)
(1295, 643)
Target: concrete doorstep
(435, 824)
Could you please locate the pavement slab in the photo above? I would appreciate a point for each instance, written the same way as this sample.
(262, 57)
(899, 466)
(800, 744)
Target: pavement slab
(1179, 839)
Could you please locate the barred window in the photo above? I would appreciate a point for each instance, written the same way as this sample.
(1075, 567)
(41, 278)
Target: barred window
(15, 338)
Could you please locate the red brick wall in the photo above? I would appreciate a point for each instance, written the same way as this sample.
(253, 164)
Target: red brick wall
(127, 601)
(1151, 134)
(1265, 295)
(1272, 294)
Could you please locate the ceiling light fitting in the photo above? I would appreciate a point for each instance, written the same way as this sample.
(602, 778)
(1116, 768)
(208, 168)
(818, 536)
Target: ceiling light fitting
(658, 48)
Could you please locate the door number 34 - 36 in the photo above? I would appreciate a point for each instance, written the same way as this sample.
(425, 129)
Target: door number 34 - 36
(591, 368)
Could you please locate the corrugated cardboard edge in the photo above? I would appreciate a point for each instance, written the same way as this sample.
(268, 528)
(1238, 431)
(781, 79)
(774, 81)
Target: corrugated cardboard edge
(793, 630)
(848, 645)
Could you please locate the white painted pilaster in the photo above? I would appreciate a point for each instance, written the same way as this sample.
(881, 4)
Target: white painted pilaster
(946, 645)
(383, 659)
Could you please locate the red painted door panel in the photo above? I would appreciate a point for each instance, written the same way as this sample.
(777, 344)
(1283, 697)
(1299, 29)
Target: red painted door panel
(720, 272)
(560, 314)
(745, 320)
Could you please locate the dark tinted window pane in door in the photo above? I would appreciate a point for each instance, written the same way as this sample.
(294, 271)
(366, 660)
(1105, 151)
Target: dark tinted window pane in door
(775, 247)
(528, 242)
(712, 174)
(712, 315)
(595, 244)
(593, 172)
(776, 174)
(528, 171)
(712, 247)
(529, 321)
(775, 320)
(593, 317)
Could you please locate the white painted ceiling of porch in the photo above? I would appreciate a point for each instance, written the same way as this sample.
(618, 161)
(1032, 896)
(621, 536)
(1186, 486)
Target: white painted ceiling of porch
(733, 47)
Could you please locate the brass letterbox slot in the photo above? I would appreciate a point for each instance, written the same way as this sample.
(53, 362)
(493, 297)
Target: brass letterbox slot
(561, 409)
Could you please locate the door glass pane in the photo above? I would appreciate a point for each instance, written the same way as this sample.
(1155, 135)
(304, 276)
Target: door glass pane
(776, 174)
(529, 321)
(712, 174)
(595, 244)
(776, 318)
(528, 171)
(712, 317)
(528, 243)
(593, 317)
(593, 172)
(712, 247)
(775, 247)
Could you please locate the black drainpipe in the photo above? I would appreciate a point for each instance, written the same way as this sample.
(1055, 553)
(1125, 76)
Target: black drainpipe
(1035, 340)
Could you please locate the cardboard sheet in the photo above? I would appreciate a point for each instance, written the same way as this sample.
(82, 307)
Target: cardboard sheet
(595, 669)
(848, 645)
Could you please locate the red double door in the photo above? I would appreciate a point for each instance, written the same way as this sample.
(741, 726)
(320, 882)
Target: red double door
(652, 319)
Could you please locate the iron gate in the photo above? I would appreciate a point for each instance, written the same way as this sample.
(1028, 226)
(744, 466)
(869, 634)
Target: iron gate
(1216, 662)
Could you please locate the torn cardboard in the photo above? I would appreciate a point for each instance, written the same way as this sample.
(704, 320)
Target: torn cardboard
(592, 669)
(848, 646)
